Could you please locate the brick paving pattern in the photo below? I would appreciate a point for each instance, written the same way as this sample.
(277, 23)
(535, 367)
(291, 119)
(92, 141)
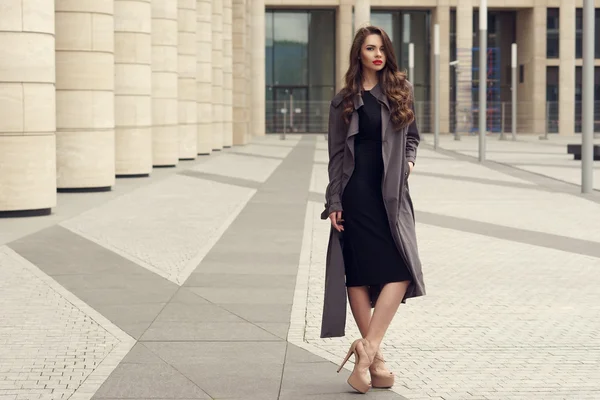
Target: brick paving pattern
(50, 343)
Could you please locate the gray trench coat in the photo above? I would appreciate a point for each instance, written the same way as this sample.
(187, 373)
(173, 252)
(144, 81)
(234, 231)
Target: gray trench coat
(399, 146)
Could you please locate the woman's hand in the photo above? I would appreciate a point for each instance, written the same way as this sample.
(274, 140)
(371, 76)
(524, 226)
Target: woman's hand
(411, 165)
(337, 221)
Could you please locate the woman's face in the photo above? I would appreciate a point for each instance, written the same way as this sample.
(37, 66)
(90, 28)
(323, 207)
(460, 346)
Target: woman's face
(372, 53)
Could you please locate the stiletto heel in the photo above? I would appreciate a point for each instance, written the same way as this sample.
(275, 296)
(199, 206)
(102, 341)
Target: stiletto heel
(359, 378)
(381, 377)
(350, 352)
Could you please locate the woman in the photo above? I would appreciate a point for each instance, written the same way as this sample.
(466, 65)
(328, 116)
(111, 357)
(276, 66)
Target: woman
(372, 252)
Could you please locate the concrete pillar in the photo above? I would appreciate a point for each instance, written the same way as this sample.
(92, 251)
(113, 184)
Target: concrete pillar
(531, 91)
(204, 76)
(133, 87)
(240, 123)
(249, 64)
(258, 67)
(441, 16)
(27, 107)
(187, 42)
(362, 13)
(217, 71)
(344, 37)
(227, 73)
(165, 101)
(85, 107)
(464, 53)
(566, 79)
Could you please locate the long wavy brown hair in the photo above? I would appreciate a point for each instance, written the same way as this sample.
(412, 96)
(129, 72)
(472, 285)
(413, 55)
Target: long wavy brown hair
(392, 81)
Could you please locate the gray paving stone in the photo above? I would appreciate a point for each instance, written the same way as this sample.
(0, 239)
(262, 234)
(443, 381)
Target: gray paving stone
(245, 295)
(57, 251)
(130, 313)
(135, 329)
(175, 331)
(224, 262)
(185, 296)
(235, 378)
(261, 312)
(148, 381)
(178, 312)
(124, 296)
(307, 379)
(140, 354)
(279, 329)
(215, 280)
(296, 354)
(218, 352)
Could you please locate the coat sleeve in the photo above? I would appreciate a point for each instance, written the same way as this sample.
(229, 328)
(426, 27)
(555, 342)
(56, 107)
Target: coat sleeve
(413, 138)
(336, 142)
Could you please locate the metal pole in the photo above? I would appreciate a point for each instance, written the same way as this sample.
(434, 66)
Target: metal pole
(514, 91)
(482, 77)
(411, 62)
(436, 102)
(587, 145)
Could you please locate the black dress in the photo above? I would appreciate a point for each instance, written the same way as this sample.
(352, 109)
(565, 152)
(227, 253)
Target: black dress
(370, 254)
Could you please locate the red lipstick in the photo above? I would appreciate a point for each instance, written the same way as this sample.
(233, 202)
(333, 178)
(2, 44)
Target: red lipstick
(377, 62)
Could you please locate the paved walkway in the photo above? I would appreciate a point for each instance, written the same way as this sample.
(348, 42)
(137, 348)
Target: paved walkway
(205, 281)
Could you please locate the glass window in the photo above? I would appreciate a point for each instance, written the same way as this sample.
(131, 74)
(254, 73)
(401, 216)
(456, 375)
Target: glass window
(321, 53)
(269, 47)
(552, 96)
(290, 34)
(579, 99)
(579, 33)
(552, 26)
(597, 34)
(300, 57)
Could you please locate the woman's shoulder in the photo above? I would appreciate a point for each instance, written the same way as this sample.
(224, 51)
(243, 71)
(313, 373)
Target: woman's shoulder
(337, 99)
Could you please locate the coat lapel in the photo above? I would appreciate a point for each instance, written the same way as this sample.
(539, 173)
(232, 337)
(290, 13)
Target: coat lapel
(385, 109)
(385, 112)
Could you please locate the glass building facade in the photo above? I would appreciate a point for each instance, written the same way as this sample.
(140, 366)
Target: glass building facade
(301, 63)
(300, 69)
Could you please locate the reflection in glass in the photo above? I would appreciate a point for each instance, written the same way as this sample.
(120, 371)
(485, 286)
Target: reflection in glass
(302, 67)
(290, 33)
(552, 23)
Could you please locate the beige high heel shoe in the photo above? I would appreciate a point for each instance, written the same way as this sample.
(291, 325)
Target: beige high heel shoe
(381, 377)
(359, 378)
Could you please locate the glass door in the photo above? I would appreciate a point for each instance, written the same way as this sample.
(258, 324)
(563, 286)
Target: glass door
(291, 109)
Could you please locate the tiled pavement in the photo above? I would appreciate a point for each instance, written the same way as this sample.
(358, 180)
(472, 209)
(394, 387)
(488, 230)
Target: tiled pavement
(187, 284)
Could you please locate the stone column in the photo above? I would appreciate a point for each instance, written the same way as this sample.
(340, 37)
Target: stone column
(362, 14)
(133, 87)
(227, 73)
(204, 77)
(217, 78)
(344, 37)
(464, 53)
(165, 101)
(249, 64)
(85, 106)
(258, 67)
(240, 127)
(27, 108)
(441, 16)
(566, 79)
(187, 42)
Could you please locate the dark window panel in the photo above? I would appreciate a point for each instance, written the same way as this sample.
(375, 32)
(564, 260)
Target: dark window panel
(552, 21)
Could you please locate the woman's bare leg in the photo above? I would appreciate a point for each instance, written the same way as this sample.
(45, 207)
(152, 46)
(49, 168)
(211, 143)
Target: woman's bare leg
(360, 304)
(385, 309)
